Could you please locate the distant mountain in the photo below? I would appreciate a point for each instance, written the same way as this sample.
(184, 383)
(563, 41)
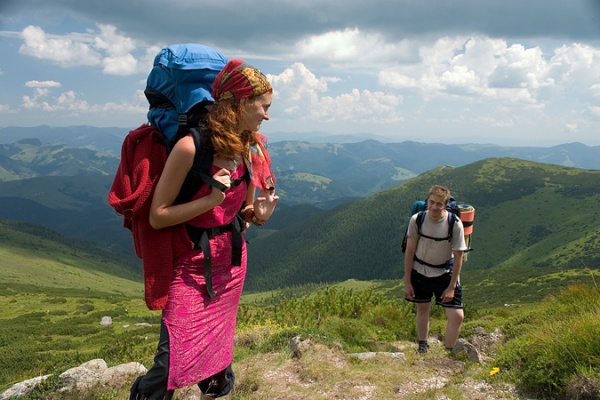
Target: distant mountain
(321, 174)
(87, 137)
(30, 158)
(110, 139)
(75, 207)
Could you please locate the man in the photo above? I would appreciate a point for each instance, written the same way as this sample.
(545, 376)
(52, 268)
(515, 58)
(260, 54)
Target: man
(432, 264)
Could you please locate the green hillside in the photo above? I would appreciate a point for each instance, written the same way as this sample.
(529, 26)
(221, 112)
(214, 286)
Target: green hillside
(35, 258)
(54, 292)
(531, 220)
(74, 206)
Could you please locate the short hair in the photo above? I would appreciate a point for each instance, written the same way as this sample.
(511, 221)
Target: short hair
(441, 191)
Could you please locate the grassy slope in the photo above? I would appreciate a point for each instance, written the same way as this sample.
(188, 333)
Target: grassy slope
(531, 220)
(28, 259)
(52, 299)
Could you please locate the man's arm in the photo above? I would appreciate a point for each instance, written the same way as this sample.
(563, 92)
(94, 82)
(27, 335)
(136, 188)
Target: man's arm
(448, 294)
(409, 260)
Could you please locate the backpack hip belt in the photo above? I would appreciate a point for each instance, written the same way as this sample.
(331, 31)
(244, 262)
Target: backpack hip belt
(447, 264)
(200, 237)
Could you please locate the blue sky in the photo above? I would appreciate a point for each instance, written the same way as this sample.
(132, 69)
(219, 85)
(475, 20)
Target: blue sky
(508, 72)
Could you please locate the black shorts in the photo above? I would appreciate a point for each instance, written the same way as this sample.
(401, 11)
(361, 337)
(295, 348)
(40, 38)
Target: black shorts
(425, 288)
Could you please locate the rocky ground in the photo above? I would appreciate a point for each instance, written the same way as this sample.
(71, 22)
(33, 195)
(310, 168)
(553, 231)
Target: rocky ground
(312, 370)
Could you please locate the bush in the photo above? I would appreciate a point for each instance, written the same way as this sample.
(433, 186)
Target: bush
(356, 319)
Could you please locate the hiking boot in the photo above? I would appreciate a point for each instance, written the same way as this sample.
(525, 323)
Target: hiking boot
(423, 348)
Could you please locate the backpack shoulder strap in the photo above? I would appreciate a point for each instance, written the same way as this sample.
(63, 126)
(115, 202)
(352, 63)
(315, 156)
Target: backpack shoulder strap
(420, 219)
(451, 221)
(200, 171)
(204, 157)
(405, 238)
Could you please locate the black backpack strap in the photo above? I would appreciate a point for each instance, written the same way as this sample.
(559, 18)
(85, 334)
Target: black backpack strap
(200, 237)
(451, 221)
(420, 219)
(200, 171)
(444, 265)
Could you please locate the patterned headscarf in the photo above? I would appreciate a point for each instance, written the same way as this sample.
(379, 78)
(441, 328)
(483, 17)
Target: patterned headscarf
(238, 80)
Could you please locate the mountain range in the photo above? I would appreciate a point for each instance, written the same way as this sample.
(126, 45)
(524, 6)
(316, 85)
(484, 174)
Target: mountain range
(533, 221)
(321, 174)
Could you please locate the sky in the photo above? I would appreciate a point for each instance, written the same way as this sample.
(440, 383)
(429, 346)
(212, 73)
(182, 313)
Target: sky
(506, 72)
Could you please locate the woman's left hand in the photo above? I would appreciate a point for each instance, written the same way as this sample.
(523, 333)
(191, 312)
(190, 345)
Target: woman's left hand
(264, 205)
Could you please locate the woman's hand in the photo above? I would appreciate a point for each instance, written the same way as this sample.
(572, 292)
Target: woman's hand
(264, 205)
(223, 176)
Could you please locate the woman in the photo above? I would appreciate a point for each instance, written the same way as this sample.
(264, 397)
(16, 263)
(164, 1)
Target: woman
(198, 322)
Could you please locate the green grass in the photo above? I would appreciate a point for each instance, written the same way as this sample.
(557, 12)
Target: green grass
(551, 345)
(45, 333)
(555, 343)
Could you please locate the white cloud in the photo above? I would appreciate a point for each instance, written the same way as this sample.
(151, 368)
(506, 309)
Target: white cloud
(351, 48)
(571, 127)
(362, 107)
(66, 51)
(575, 69)
(108, 48)
(114, 43)
(68, 102)
(472, 67)
(397, 80)
(119, 61)
(44, 84)
(300, 94)
(122, 65)
(297, 87)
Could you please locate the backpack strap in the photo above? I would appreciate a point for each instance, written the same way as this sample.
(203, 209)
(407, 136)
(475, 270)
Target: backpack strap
(200, 171)
(451, 221)
(200, 237)
(448, 264)
(199, 174)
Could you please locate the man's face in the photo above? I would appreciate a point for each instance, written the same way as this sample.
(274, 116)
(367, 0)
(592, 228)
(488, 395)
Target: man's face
(436, 207)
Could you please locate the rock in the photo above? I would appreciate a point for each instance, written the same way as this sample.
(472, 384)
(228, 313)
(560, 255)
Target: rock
(84, 375)
(96, 371)
(462, 346)
(22, 388)
(297, 346)
(106, 321)
(82, 378)
(397, 356)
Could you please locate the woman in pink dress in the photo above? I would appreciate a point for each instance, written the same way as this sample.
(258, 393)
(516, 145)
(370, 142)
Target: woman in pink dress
(198, 322)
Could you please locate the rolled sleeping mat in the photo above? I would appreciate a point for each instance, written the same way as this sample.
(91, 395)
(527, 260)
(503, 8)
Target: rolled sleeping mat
(467, 216)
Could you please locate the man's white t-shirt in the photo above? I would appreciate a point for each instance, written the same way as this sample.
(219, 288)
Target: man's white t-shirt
(433, 251)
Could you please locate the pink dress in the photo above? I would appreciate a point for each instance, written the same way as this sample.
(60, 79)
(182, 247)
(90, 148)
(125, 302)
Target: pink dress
(201, 329)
